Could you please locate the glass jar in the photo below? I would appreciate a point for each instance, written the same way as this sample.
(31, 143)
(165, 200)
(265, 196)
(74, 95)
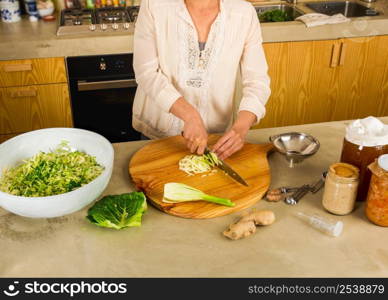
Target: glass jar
(376, 208)
(366, 139)
(361, 157)
(340, 191)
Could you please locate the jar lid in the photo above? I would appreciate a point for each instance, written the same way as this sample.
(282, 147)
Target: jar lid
(383, 162)
(344, 170)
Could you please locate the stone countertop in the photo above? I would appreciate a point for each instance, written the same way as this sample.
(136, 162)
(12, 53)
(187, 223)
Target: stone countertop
(167, 246)
(26, 39)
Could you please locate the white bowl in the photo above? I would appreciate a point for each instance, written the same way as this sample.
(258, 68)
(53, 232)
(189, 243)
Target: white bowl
(28, 144)
(43, 12)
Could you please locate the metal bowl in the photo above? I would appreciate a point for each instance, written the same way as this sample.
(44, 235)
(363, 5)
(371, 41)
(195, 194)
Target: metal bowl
(295, 146)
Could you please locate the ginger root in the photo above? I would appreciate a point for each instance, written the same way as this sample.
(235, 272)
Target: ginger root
(247, 224)
(275, 195)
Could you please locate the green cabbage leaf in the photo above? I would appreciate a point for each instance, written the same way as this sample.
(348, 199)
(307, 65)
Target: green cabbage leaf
(118, 211)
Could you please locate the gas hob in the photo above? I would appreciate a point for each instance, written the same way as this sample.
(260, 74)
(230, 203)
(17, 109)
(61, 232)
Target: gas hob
(99, 20)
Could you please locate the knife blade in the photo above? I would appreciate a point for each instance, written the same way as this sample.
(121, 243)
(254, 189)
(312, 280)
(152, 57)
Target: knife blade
(227, 169)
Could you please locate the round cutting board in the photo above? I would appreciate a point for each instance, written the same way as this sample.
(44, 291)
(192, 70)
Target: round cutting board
(157, 164)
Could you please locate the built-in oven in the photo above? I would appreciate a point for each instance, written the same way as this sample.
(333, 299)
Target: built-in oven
(102, 91)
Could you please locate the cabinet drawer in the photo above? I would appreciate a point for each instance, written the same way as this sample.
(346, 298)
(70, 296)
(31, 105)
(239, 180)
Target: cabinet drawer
(33, 107)
(32, 71)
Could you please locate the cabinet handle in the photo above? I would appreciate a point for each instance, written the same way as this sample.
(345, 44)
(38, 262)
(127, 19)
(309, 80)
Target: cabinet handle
(342, 55)
(334, 55)
(23, 93)
(17, 67)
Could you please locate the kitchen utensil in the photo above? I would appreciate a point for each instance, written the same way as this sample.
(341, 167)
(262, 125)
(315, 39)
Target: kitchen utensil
(300, 192)
(228, 170)
(296, 196)
(319, 184)
(26, 145)
(157, 163)
(295, 146)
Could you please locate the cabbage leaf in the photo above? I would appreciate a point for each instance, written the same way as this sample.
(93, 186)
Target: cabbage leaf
(118, 211)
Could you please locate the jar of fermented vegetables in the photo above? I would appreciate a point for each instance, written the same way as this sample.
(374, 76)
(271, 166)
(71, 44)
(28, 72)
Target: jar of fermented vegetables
(376, 208)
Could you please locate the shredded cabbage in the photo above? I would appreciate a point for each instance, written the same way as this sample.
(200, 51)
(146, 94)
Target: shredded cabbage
(45, 174)
(195, 164)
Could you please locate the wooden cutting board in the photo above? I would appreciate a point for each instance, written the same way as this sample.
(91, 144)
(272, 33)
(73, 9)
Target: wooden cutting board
(157, 163)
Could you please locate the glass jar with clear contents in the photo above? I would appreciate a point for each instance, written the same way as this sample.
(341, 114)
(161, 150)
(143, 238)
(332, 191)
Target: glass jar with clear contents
(340, 188)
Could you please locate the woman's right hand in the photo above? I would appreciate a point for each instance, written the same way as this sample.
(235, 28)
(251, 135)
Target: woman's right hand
(194, 130)
(195, 135)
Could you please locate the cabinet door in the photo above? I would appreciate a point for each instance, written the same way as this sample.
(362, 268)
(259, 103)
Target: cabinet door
(303, 83)
(33, 107)
(32, 71)
(363, 78)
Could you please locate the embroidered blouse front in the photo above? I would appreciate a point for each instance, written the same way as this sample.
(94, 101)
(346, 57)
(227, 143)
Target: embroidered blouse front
(169, 64)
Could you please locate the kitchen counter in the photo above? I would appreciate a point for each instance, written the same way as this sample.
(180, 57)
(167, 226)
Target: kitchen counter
(26, 39)
(167, 246)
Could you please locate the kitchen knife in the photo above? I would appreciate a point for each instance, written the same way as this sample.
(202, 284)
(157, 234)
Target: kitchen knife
(227, 169)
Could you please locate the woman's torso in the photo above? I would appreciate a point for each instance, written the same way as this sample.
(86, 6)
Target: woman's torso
(205, 78)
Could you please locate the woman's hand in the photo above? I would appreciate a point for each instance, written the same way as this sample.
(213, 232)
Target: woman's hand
(233, 140)
(195, 134)
(194, 130)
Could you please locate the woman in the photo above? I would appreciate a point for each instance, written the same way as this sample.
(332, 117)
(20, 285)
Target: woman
(187, 54)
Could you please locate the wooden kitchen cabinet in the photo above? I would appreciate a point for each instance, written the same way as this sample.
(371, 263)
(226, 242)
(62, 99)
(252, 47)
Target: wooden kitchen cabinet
(302, 82)
(32, 71)
(34, 94)
(33, 107)
(319, 81)
(363, 78)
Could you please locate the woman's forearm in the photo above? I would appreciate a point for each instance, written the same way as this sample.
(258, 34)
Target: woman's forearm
(194, 130)
(184, 110)
(245, 120)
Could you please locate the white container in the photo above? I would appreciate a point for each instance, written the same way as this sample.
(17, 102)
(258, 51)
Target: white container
(28, 144)
(9, 11)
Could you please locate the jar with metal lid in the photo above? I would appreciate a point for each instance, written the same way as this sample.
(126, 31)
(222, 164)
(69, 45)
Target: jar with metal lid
(376, 208)
(341, 186)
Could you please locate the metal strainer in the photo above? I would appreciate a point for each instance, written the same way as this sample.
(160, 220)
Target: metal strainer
(295, 146)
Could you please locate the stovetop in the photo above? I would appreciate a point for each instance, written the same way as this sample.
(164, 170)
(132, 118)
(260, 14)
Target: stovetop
(107, 19)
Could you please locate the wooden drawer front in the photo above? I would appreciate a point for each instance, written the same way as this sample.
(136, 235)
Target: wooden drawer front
(32, 71)
(33, 107)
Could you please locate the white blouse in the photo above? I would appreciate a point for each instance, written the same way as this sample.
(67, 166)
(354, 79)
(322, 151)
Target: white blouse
(168, 64)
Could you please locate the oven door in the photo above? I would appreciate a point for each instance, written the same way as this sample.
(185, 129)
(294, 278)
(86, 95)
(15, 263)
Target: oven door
(105, 107)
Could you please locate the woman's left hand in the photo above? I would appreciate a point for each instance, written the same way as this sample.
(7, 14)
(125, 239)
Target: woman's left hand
(233, 140)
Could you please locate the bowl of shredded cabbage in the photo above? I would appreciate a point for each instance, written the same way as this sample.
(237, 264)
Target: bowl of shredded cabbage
(53, 172)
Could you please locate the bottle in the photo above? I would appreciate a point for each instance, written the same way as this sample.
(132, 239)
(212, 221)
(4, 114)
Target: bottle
(376, 208)
(365, 140)
(341, 186)
(69, 4)
(89, 4)
(32, 10)
(330, 227)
